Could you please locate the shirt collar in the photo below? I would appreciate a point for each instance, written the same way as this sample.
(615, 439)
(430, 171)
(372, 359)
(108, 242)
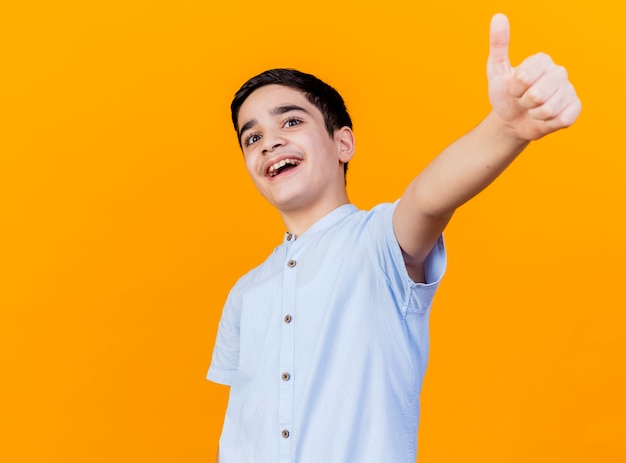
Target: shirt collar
(328, 220)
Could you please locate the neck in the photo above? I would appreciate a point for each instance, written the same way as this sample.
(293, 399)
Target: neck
(298, 221)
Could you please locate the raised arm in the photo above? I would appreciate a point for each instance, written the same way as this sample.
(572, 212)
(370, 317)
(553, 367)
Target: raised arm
(528, 102)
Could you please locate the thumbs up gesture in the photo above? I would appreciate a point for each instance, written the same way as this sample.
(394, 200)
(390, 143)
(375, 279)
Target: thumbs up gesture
(532, 99)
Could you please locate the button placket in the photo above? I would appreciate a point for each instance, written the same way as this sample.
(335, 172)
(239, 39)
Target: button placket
(287, 349)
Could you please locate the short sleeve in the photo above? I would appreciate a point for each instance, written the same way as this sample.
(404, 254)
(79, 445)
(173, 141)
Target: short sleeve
(420, 295)
(225, 359)
(411, 297)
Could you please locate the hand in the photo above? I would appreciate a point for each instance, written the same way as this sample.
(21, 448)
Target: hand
(533, 99)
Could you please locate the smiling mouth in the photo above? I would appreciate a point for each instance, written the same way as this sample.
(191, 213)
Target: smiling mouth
(282, 166)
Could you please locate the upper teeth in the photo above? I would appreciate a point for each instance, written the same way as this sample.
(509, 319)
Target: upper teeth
(274, 167)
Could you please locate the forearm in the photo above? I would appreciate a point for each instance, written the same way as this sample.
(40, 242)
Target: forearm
(528, 101)
(464, 168)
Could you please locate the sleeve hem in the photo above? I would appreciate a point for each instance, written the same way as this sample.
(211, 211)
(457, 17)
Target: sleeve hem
(220, 377)
(420, 295)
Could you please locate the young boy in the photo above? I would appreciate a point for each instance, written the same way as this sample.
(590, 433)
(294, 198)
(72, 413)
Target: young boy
(325, 344)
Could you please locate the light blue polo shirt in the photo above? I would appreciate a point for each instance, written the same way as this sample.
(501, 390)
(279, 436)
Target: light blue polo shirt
(325, 345)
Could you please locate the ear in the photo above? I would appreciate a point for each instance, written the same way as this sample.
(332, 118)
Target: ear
(345, 141)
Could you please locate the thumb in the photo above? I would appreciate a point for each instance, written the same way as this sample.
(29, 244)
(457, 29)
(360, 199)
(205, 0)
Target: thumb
(499, 35)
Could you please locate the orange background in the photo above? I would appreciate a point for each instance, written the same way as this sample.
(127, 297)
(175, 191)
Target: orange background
(126, 215)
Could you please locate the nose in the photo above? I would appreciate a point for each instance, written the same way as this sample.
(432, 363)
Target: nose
(271, 148)
(268, 148)
(271, 142)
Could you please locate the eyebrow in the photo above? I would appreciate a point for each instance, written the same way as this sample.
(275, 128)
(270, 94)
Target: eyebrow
(277, 111)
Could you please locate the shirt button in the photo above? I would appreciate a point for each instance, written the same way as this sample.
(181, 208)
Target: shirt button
(285, 376)
(289, 236)
(291, 263)
(285, 433)
(287, 318)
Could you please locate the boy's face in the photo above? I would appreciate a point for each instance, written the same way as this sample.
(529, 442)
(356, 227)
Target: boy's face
(289, 154)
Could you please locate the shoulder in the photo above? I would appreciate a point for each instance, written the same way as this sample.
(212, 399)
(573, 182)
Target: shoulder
(365, 218)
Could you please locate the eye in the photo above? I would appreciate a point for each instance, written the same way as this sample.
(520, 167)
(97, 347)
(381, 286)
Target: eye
(250, 140)
(292, 122)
